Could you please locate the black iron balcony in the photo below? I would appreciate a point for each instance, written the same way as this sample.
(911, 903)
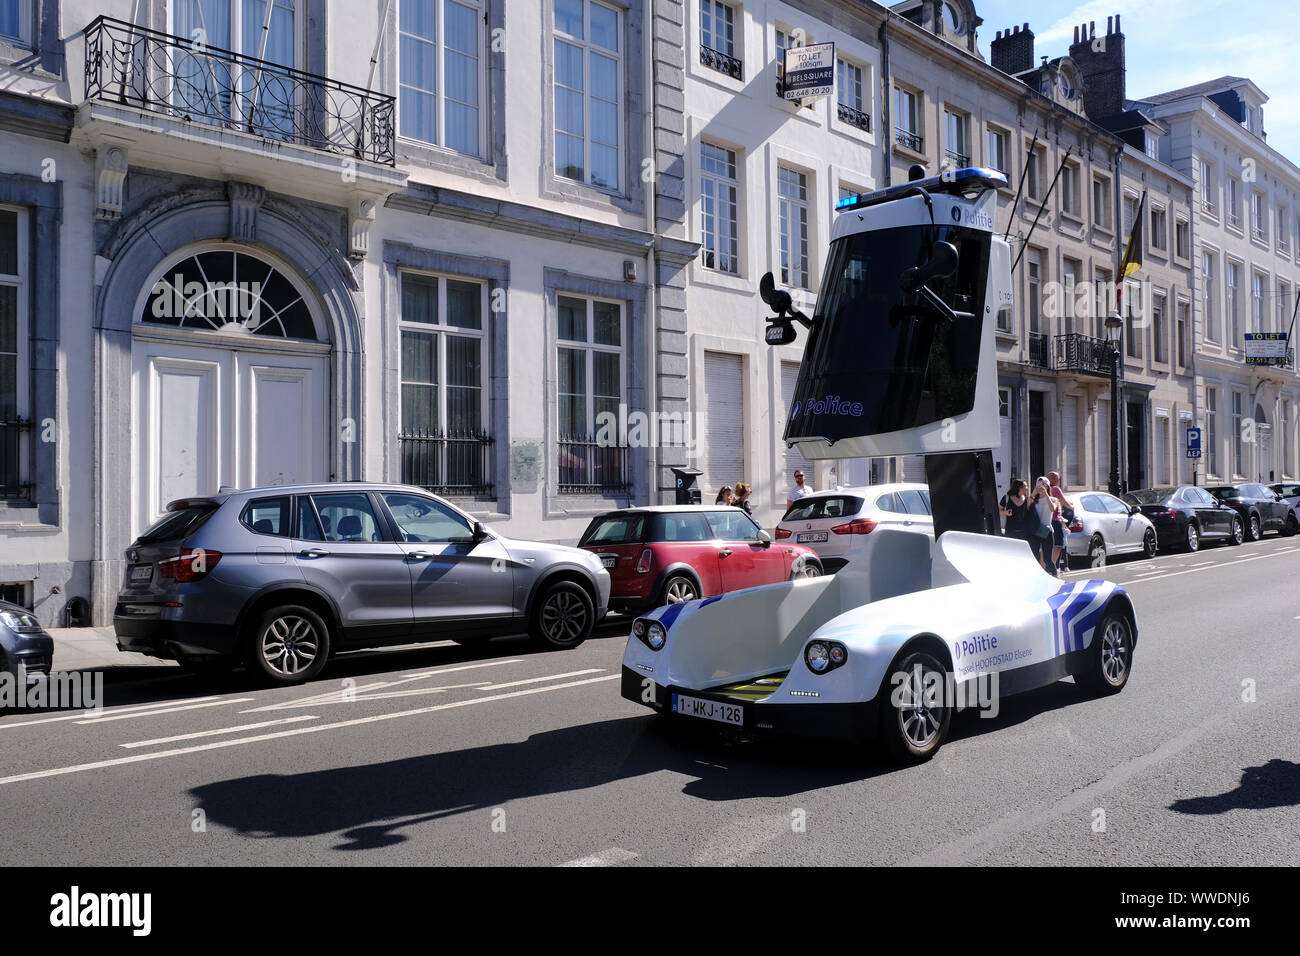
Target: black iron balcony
(591, 467)
(11, 456)
(913, 141)
(722, 62)
(959, 160)
(456, 464)
(855, 117)
(1082, 354)
(1039, 356)
(134, 66)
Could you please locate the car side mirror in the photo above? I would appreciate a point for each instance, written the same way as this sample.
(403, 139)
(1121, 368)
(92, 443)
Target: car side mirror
(1134, 509)
(479, 530)
(764, 538)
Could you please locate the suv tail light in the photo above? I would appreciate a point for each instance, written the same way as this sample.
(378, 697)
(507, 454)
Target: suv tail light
(782, 534)
(643, 565)
(192, 564)
(856, 526)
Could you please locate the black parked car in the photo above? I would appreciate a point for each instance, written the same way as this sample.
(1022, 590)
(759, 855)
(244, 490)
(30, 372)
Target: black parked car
(1290, 492)
(1185, 515)
(1260, 507)
(23, 641)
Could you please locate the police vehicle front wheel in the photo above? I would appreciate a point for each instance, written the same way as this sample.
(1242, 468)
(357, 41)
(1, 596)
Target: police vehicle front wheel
(1110, 656)
(916, 712)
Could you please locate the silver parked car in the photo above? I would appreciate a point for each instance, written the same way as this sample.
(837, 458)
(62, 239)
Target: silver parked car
(283, 577)
(1103, 526)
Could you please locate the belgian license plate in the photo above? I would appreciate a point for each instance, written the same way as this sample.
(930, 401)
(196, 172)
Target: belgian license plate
(709, 710)
(608, 560)
(142, 572)
(806, 536)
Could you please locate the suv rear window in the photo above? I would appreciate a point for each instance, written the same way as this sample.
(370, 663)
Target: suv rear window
(614, 529)
(267, 516)
(831, 506)
(180, 523)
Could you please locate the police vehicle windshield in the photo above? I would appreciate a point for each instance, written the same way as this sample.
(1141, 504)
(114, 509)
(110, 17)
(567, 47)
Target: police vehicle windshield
(880, 359)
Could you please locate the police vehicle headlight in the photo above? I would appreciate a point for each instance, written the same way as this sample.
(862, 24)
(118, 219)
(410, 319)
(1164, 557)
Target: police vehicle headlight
(650, 633)
(823, 656)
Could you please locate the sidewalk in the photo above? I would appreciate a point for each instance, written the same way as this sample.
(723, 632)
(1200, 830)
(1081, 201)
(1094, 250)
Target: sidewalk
(94, 648)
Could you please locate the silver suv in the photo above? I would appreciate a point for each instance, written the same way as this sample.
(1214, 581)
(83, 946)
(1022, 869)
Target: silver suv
(283, 577)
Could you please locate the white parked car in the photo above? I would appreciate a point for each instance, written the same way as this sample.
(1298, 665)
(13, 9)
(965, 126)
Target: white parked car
(833, 523)
(1104, 526)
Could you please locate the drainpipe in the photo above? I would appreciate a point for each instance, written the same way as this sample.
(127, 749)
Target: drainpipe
(652, 314)
(1121, 419)
(886, 127)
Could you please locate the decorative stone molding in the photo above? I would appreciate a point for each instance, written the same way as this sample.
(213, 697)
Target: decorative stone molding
(245, 200)
(110, 178)
(361, 218)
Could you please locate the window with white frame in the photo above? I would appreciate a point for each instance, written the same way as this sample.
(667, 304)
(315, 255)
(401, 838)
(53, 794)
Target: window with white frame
(1035, 290)
(588, 91)
(1033, 173)
(851, 105)
(1284, 305)
(1071, 269)
(1158, 328)
(1152, 145)
(1234, 201)
(1258, 217)
(718, 49)
(1159, 228)
(1181, 319)
(1211, 431)
(1101, 203)
(1209, 189)
(1070, 189)
(590, 385)
(1105, 304)
(15, 17)
(785, 40)
(907, 119)
(1133, 310)
(1233, 283)
(957, 147)
(1237, 402)
(1209, 266)
(1182, 239)
(440, 63)
(995, 149)
(13, 351)
(1283, 231)
(1258, 304)
(792, 215)
(444, 441)
(719, 205)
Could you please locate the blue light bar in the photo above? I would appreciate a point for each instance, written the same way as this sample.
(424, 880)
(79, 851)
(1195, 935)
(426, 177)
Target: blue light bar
(968, 183)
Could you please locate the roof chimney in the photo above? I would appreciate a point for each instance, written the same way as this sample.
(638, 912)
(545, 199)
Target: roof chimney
(1101, 61)
(1013, 50)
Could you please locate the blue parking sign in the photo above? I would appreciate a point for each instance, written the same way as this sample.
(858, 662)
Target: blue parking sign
(1193, 443)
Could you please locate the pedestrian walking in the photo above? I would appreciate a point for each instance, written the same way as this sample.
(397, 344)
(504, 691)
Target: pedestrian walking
(801, 489)
(742, 497)
(725, 497)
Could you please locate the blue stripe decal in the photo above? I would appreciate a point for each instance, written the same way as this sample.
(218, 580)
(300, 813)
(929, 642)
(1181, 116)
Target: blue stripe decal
(1076, 611)
(1088, 623)
(670, 614)
(707, 601)
(1054, 601)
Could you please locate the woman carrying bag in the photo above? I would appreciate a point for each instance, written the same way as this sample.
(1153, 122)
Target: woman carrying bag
(1042, 506)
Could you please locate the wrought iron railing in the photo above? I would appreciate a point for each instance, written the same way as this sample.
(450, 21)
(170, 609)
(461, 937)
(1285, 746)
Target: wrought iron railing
(1083, 354)
(855, 117)
(456, 464)
(960, 160)
(722, 62)
(12, 444)
(913, 141)
(135, 66)
(588, 466)
(1038, 351)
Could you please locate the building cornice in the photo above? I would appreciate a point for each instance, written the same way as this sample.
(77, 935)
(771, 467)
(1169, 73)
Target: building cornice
(32, 116)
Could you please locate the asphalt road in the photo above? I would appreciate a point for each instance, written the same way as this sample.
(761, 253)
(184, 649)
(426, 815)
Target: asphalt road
(499, 756)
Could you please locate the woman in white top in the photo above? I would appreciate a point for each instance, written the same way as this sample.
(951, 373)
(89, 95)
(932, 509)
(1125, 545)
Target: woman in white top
(1043, 502)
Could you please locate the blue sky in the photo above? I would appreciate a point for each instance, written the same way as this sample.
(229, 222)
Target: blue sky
(1176, 43)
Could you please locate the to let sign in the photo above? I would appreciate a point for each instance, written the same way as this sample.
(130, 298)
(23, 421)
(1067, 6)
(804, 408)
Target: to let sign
(809, 71)
(1265, 348)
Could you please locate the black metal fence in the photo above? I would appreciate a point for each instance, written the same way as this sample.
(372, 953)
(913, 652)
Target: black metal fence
(913, 141)
(1038, 350)
(12, 444)
(135, 66)
(1083, 353)
(591, 467)
(717, 60)
(456, 464)
(854, 117)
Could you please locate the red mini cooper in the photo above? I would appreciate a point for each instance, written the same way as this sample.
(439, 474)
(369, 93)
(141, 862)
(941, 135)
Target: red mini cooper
(667, 554)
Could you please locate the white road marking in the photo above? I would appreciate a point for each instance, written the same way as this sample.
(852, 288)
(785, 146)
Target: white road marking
(166, 710)
(216, 733)
(538, 680)
(349, 695)
(413, 692)
(611, 857)
(83, 714)
(315, 728)
(1224, 564)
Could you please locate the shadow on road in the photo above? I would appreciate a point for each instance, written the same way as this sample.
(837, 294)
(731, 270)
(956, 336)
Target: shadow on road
(1275, 784)
(370, 806)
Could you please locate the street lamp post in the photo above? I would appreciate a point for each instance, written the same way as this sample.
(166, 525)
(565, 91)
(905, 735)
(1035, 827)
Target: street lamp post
(1114, 324)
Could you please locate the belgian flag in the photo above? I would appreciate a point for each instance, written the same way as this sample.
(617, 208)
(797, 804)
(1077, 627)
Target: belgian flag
(1132, 260)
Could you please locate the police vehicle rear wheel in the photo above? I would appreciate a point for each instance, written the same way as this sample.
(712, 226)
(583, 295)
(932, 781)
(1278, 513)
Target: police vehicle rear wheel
(915, 713)
(1110, 656)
